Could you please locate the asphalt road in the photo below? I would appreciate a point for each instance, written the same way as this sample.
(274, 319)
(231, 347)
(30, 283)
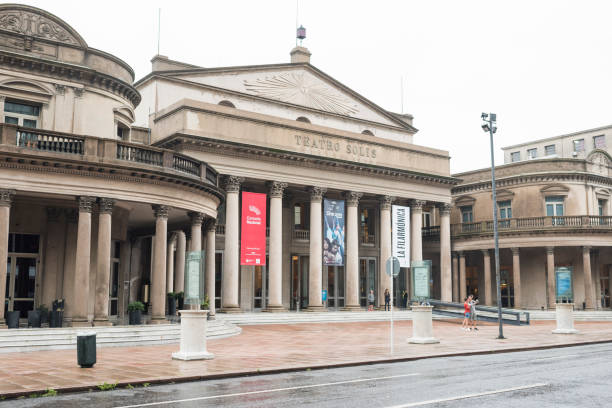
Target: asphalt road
(563, 377)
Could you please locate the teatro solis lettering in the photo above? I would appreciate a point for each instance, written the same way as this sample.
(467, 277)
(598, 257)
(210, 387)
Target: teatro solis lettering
(328, 145)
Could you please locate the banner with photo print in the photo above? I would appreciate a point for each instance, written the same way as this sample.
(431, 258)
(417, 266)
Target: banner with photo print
(253, 233)
(333, 232)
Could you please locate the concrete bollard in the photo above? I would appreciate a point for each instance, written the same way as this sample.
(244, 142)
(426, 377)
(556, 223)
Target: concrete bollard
(565, 319)
(193, 336)
(422, 328)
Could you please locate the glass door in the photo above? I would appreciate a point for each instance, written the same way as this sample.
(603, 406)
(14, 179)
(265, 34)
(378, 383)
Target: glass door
(260, 287)
(605, 290)
(21, 283)
(367, 280)
(507, 287)
(299, 282)
(335, 287)
(113, 296)
(471, 280)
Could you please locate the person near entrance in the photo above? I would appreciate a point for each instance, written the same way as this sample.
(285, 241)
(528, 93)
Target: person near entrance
(405, 299)
(387, 300)
(473, 318)
(371, 301)
(466, 311)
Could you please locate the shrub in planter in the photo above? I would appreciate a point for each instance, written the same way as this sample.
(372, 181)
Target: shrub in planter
(44, 314)
(56, 316)
(12, 319)
(180, 299)
(135, 310)
(171, 303)
(33, 318)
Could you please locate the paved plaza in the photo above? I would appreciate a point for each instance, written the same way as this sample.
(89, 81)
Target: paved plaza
(275, 348)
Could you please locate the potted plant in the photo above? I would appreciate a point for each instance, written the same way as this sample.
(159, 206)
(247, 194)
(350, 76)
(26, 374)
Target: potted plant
(171, 303)
(180, 299)
(44, 314)
(56, 316)
(205, 305)
(33, 318)
(135, 310)
(12, 319)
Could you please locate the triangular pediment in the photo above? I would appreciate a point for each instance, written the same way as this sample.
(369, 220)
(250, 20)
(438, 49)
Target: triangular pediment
(299, 85)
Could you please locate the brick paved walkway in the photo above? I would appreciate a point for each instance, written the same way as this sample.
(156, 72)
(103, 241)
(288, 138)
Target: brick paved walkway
(268, 348)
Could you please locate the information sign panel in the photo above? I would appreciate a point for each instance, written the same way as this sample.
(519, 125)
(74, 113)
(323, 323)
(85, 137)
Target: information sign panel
(193, 277)
(420, 272)
(563, 280)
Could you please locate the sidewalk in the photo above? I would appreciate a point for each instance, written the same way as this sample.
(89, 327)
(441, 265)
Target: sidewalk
(275, 348)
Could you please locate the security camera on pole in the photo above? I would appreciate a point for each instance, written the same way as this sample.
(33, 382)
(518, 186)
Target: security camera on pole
(490, 125)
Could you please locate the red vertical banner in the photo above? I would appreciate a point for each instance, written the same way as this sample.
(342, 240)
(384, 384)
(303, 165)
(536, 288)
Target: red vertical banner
(253, 239)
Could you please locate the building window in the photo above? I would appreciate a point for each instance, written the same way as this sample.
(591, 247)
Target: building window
(505, 209)
(122, 131)
(227, 103)
(299, 217)
(579, 145)
(466, 214)
(367, 226)
(549, 150)
(532, 153)
(303, 119)
(515, 156)
(601, 207)
(22, 114)
(554, 206)
(367, 132)
(599, 142)
(426, 219)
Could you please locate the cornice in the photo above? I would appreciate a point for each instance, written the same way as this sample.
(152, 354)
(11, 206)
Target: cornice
(72, 72)
(300, 159)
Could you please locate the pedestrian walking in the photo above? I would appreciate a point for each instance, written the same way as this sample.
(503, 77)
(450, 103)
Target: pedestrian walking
(466, 311)
(473, 317)
(371, 301)
(387, 300)
(405, 299)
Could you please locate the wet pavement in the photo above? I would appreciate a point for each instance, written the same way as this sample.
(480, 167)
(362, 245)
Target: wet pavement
(273, 348)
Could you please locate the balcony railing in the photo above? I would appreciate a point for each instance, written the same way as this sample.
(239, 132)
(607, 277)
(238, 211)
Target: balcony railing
(301, 235)
(368, 239)
(107, 149)
(529, 224)
(220, 230)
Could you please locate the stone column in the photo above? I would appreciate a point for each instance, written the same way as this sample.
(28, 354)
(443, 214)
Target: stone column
(6, 197)
(52, 272)
(588, 280)
(462, 278)
(231, 255)
(72, 217)
(179, 268)
(597, 281)
(275, 251)
(315, 263)
(105, 206)
(158, 276)
(170, 264)
(488, 291)
(385, 249)
(550, 273)
(446, 283)
(516, 277)
(196, 230)
(455, 278)
(352, 251)
(81, 269)
(416, 235)
(211, 227)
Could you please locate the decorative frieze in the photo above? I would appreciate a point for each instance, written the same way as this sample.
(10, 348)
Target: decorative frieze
(232, 184)
(277, 188)
(86, 203)
(316, 193)
(160, 211)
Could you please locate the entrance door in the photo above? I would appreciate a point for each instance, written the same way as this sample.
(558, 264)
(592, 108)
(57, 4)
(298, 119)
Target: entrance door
(335, 287)
(260, 287)
(367, 280)
(471, 281)
(605, 290)
(113, 296)
(299, 282)
(21, 283)
(507, 287)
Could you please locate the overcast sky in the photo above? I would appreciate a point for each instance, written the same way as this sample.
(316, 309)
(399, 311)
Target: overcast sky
(545, 67)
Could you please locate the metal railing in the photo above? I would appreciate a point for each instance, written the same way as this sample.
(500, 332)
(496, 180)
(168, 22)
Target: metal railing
(220, 229)
(50, 143)
(453, 309)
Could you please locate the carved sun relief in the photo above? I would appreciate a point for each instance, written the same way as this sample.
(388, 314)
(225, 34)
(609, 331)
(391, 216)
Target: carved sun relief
(34, 25)
(302, 90)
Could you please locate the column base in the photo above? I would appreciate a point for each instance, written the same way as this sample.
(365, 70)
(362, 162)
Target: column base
(275, 309)
(352, 308)
(159, 320)
(565, 331)
(186, 356)
(423, 340)
(230, 309)
(102, 322)
(320, 308)
(3, 324)
(80, 323)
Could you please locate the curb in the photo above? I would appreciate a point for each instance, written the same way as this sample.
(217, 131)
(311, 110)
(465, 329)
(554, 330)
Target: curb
(238, 374)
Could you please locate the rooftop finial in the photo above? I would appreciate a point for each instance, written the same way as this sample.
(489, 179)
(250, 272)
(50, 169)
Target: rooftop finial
(300, 34)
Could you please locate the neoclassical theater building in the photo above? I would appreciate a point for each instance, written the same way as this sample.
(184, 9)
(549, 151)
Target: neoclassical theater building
(106, 183)
(554, 199)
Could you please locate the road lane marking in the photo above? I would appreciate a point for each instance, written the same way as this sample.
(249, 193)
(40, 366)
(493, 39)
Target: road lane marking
(460, 397)
(554, 357)
(239, 394)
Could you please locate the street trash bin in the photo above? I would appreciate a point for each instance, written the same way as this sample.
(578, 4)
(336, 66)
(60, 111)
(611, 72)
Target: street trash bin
(86, 349)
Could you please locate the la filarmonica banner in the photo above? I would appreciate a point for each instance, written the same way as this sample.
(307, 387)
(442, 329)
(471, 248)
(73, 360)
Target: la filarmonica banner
(333, 232)
(400, 234)
(253, 225)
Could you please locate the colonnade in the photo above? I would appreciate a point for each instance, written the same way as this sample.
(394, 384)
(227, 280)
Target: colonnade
(230, 295)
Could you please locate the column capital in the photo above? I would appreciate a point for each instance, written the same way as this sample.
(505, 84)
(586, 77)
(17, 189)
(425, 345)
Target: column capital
(444, 209)
(6, 197)
(454, 254)
(485, 252)
(232, 184)
(105, 205)
(515, 251)
(196, 217)
(461, 254)
(386, 201)
(72, 215)
(352, 198)
(211, 224)
(160, 211)
(53, 213)
(417, 205)
(316, 193)
(550, 250)
(586, 249)
(86, 203)
(277, 188)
